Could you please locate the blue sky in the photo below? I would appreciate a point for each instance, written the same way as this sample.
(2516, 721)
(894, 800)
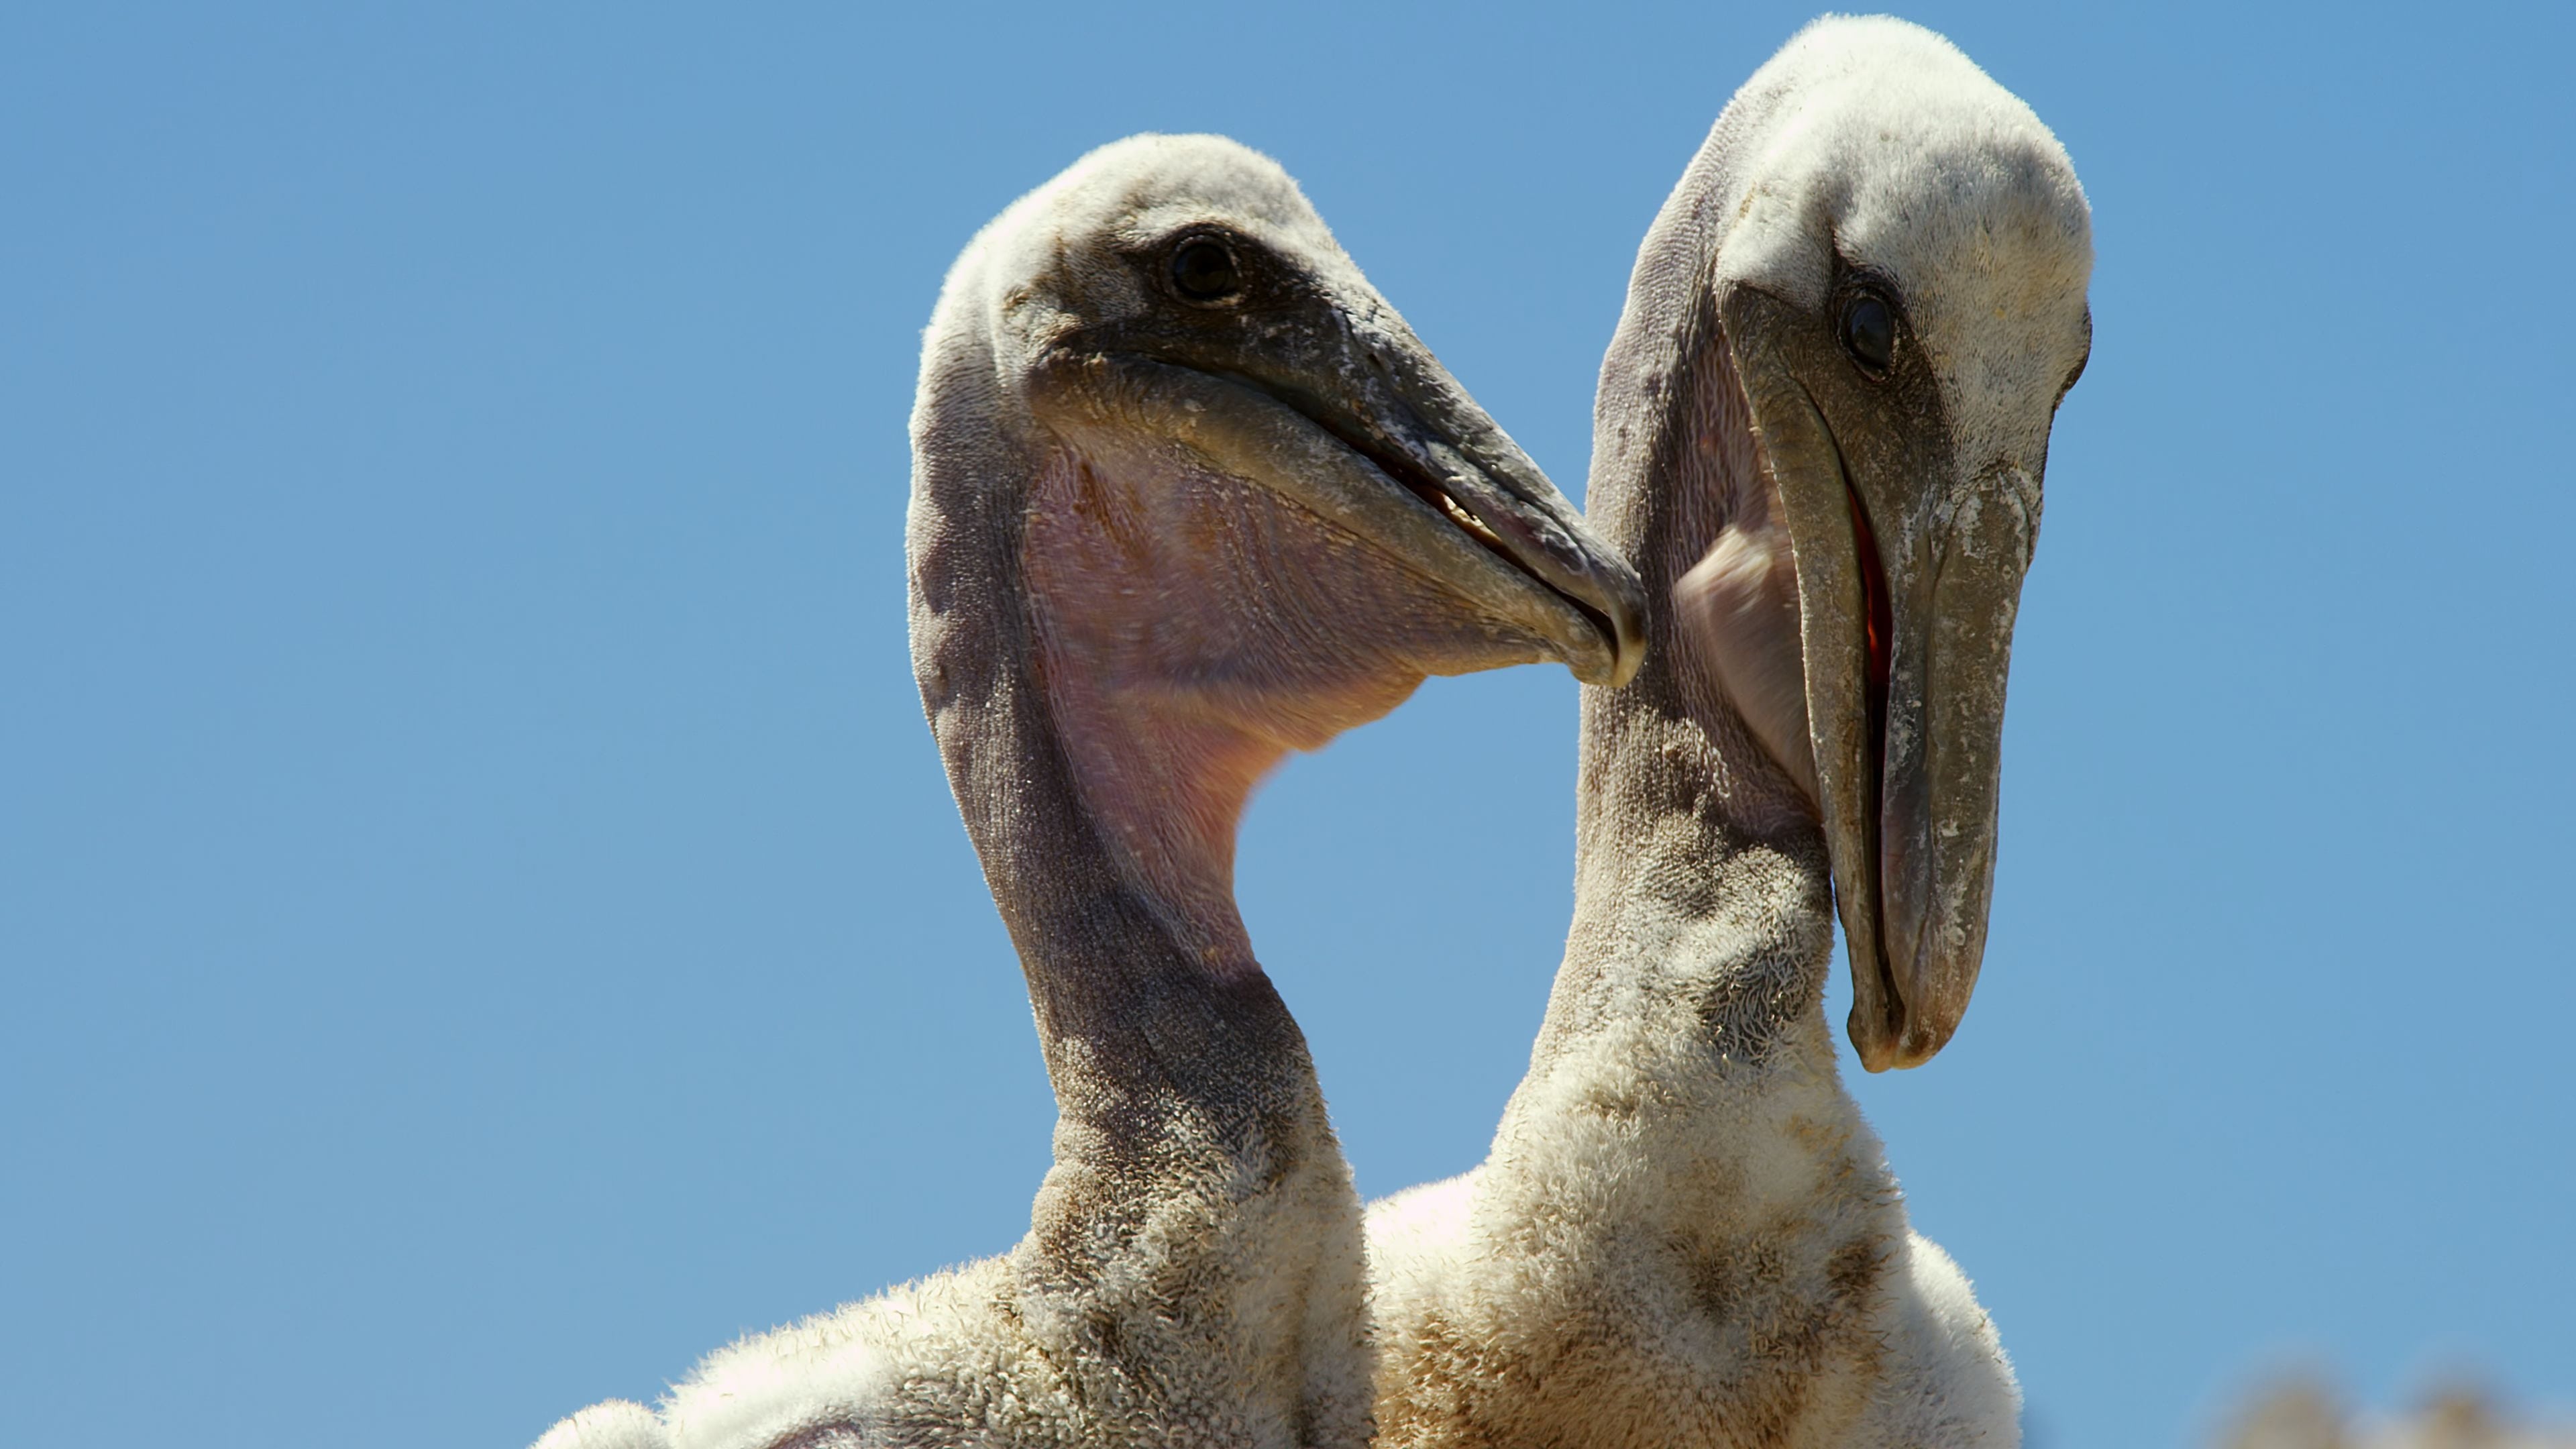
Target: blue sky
(481, 921)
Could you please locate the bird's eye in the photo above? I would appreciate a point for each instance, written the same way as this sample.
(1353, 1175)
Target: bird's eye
(1204, 271)
(1869, 333)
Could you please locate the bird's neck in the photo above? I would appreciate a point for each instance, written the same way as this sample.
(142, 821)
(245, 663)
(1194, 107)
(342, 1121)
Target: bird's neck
(1198, 1210)
(1114, 878)
(1703, 906)
(1114, 873)
(1684, 1111)
(1703, 926)
(1703, 900)
(1198, 1232)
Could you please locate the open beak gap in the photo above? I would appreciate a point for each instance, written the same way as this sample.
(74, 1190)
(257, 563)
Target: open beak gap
(1880, 635)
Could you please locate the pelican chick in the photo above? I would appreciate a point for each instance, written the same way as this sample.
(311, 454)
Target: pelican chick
(1187, 495)
(1820, 435)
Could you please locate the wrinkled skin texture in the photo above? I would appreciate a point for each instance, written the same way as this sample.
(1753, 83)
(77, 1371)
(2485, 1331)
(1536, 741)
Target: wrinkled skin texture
(1685, 1235)
(1155, 544)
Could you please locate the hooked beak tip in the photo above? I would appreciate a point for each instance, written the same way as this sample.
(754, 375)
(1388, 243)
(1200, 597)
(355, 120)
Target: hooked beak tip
(1907, 1014)
(1624, 628)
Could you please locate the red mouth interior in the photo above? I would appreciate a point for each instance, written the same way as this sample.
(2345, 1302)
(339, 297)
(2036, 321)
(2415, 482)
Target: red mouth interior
(1873, 593)
(1881, 637)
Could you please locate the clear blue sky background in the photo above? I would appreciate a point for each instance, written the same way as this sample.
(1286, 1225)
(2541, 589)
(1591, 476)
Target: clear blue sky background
(481, 922)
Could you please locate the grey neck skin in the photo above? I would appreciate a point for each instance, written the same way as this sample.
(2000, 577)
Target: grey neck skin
(1146, 1038)
(1142, 1002)
(1198, 1219)
(1169, 1052)
(1703, 902)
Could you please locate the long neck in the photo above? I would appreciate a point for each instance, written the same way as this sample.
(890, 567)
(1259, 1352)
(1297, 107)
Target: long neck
(1153, 1017)
(1703, 903)
(1683, 1092)
(1147, 1002)
(1196, 1241)
(1197, 1237)
(1702, 924)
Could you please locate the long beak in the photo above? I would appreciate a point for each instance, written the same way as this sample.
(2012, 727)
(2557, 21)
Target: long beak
(1417, 470)
(1414, 420)
(1906, 608)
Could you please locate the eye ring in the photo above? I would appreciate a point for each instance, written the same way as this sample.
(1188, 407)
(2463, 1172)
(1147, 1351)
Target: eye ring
(1203, 271)
(1868, 329)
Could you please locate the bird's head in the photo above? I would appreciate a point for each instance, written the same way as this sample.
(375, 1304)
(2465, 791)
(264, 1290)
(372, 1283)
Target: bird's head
(1895, 301)
(1180, 323)
(1249, 508)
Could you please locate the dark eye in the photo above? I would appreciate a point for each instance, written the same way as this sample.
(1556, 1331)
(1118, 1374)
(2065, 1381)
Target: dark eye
(1869, 333)
(1204, 271)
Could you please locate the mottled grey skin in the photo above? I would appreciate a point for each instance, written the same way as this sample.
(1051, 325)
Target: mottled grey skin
(1685, 1235)
(1155, 543)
